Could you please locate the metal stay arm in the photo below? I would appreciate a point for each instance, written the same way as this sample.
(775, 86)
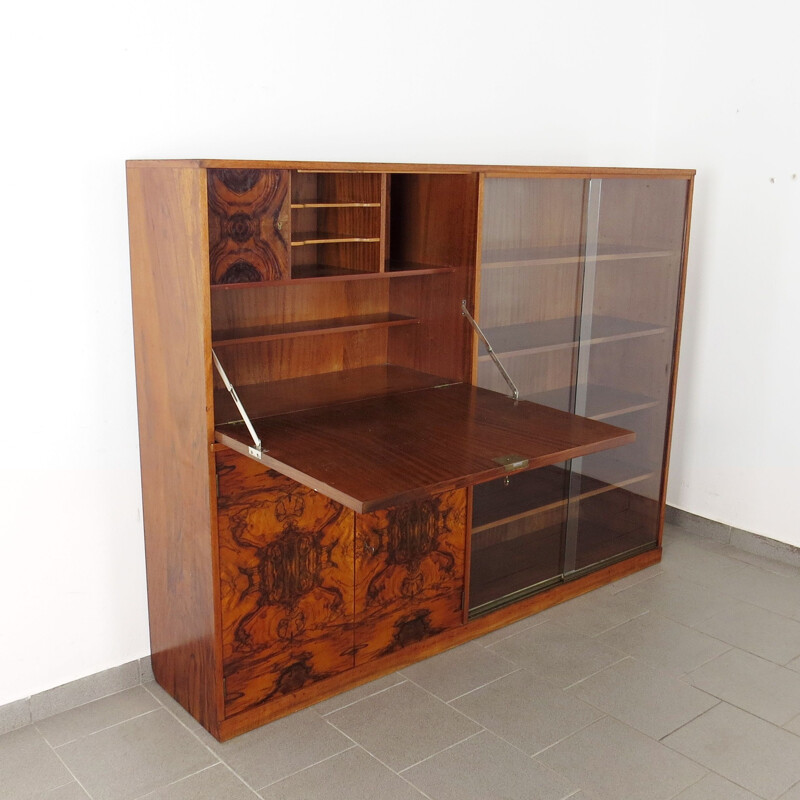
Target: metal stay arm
(238, 402)
(500, 367)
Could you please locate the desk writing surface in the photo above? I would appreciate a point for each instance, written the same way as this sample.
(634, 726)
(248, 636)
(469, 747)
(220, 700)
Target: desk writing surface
(385, 451)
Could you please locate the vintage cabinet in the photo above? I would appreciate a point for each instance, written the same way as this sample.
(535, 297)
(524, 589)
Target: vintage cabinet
(338, 477)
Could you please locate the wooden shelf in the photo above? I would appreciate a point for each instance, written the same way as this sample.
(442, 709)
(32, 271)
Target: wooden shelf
(326, 389)
(320, 204)
(555, 334)
(567, 254)
(265, 333)
(322, 272)
(323, 237)
(512, 565)
(543, 490)
(602, 402)
(386, 451)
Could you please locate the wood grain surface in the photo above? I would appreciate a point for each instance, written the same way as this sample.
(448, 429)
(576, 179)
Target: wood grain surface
(248, 225)
(387, 451)
(286, 584)
(409, 573)
(169, 279)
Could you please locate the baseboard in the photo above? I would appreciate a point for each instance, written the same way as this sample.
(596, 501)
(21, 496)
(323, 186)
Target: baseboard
(736, 537)
(20, 713)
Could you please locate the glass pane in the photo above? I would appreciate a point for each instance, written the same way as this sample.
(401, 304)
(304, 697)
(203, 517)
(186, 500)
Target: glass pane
(635, 230)
(531, 276)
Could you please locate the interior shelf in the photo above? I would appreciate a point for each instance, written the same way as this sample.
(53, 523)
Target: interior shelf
(322, 237)
(555, 334)
(320, 204)
(312, 272)
(508, 566)
(265, 333)
(544, 490)
(313, 391)
(602, 402)
(567, 254)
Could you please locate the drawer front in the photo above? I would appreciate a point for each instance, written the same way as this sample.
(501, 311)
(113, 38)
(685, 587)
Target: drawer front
(409, 573)
(286, 583)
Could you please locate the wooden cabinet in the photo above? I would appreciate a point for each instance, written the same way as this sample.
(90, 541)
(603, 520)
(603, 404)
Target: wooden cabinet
(369, 492)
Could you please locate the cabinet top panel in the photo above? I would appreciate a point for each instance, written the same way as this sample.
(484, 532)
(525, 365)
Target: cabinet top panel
(385, 451)
(348, 166)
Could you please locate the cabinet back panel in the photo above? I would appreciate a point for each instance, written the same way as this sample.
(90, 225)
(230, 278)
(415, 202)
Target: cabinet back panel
(646, 212)
(273, 305)
(528, 294)
(306, 355)
(522, 213)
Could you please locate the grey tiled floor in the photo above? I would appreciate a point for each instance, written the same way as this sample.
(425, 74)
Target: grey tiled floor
(682, 681)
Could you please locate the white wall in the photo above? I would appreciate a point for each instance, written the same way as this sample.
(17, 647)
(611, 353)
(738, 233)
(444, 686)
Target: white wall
(576, 82)
(730, 106)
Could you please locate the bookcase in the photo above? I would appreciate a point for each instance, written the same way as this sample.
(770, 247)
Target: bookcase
(386, 408)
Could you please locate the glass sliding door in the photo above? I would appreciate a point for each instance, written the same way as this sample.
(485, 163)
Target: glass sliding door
(579, 295)
(531, 278)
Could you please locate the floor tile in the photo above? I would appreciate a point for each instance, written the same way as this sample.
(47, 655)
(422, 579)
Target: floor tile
(794, 664)
(84, 690)
(699, 564)
(743, 748)
(793, 726)
(486, 767)
(556, 653)
(287, 745)
(359, 693)
(458, 671)
(352, 775)
(663, 643)
(792, 794)
(594, 614)
(95, 716)
(683, 601)
(713, 787)
(778, 593)
(135, 757)
(632, 580)
(489, 639)
(649, 700)
(71, 791)
(527, 711)
(761, 632)
(591, 759)
(403, 725)
(214, 783)
(28, 765)
(174, 707)
(766, 563)
(15, 715)
(751, 683)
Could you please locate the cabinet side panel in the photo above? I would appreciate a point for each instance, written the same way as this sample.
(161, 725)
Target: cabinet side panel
(169, 266)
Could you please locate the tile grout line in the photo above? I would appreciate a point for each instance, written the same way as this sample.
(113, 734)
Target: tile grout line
(372, 755)
(353, 746)
(625, 657)
(443, 750)
(172, 783)
(194, 734)
(99, 730)
(365, 697)
(516, 669)
(66, 767)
